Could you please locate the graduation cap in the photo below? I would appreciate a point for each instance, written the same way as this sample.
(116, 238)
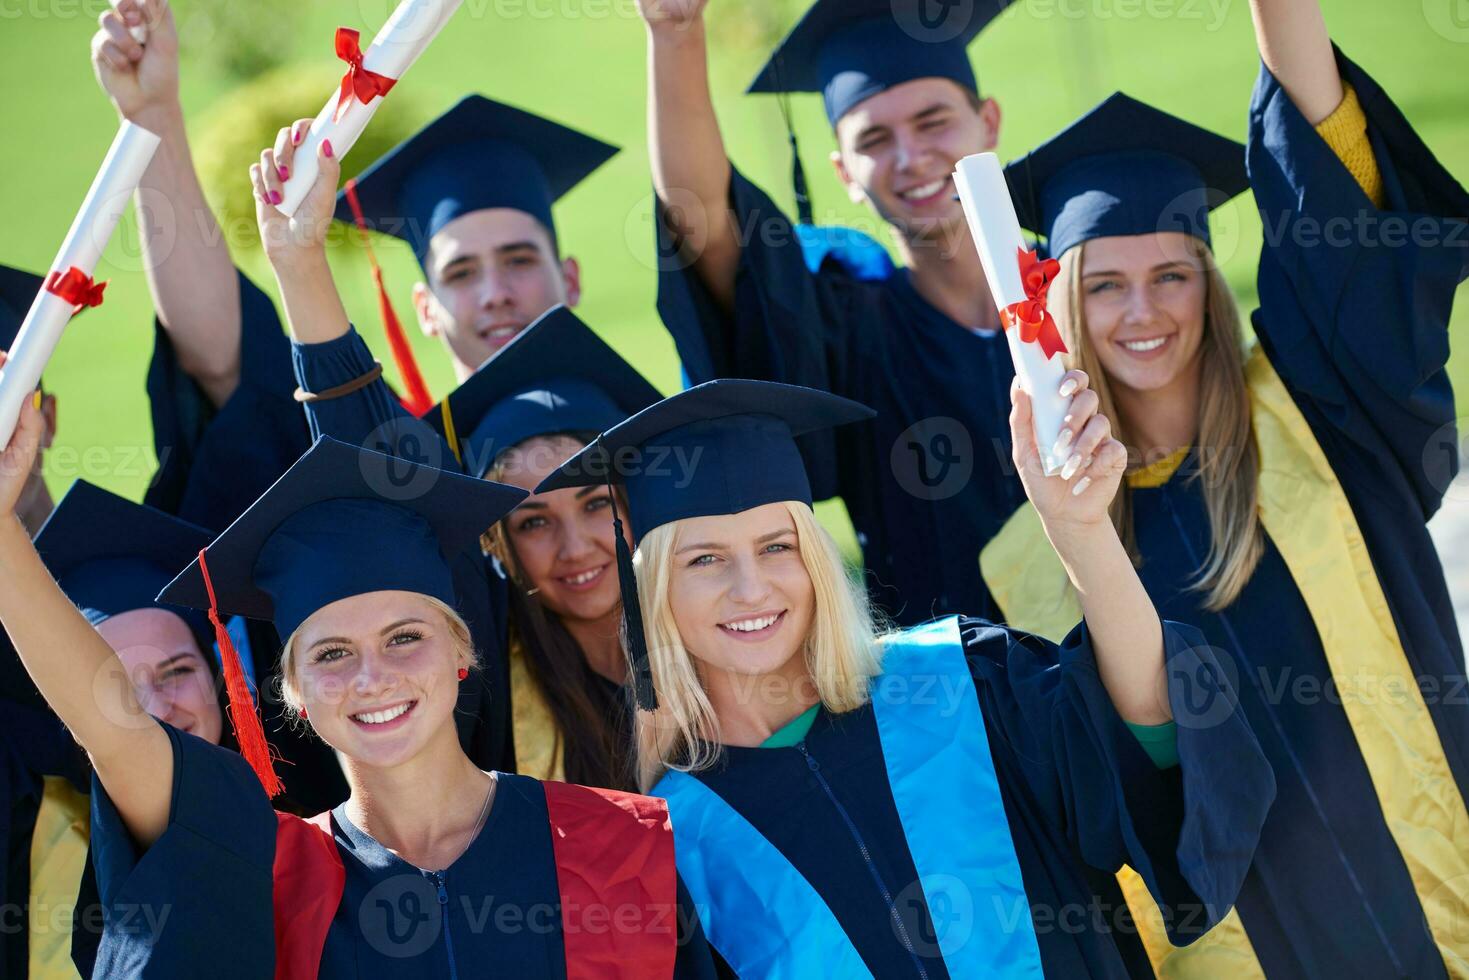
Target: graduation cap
(18, 290)
(1125, 168)
(341, 522)
(480, 154)
(721, 447)
(556, 376)
(111, 556)
(850, 50)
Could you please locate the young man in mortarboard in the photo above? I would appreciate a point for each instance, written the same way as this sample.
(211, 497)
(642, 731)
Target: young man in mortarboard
(746, 294)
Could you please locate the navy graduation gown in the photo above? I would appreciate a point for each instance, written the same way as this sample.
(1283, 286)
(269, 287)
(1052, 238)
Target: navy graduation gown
(199, 901)
(373, 417)
(1355, 323)
(214, 462)
(1077, 790)
(928, 481)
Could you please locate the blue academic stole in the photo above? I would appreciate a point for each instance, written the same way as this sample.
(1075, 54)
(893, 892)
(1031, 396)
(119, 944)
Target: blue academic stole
(766, 920)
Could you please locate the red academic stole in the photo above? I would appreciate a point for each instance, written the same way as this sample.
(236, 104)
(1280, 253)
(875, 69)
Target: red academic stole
(614, 868)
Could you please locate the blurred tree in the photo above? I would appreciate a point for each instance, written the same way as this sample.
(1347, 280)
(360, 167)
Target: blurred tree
(243, 40)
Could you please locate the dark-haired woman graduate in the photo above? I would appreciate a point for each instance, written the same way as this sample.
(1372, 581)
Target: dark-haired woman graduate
(1280, 495)
(110, 557)
(921, 804)
(432, 868)
(534, 403)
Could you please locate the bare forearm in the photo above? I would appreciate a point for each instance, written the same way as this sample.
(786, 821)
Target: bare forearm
(314, 309)
(1296, 47)
(72, 666)
(190, 273)
(1126, 634)
(691, 171)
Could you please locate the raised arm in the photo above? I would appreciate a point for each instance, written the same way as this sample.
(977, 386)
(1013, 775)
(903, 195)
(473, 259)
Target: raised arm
(1126, 634)
(73, 667)
(190, 274)
(296, 246)
(1296, 48)
(691, 171)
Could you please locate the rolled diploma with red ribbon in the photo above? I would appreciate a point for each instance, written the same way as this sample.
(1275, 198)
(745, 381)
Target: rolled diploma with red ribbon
(996, 232)
(107, 199)
(405, 36)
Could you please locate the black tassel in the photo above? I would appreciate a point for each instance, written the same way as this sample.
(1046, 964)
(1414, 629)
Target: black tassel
(632, 614)
(798, 182)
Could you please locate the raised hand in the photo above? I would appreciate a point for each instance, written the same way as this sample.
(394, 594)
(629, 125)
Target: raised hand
(303, 234)
(18, 461)
(141, 79)
(671, 14)
(1076, 499)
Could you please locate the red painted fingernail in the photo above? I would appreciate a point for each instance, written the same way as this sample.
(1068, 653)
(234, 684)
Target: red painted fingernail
(296, 136)
(285, 172)
(326, 147)
(275, 197)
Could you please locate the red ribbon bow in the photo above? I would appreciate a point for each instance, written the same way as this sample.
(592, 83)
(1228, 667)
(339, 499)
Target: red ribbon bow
(366, 85)
(76, 287)
(1030, 314)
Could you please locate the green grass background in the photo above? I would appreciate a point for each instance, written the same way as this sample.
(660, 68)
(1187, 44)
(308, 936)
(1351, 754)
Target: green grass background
(582, 62)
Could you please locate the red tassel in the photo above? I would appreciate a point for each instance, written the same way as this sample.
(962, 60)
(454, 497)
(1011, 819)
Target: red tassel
(243, 719)
(416, 399)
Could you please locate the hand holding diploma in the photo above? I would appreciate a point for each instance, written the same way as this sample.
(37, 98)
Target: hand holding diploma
(1018, 281)
(142, 80)
(69, 284)
(369, 76)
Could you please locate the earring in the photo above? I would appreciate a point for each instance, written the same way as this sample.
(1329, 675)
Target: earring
(303, 714)
(463, 673)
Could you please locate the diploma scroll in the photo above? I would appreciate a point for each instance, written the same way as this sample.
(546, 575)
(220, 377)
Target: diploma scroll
(405, 36)
(996, 231)
(108, 197)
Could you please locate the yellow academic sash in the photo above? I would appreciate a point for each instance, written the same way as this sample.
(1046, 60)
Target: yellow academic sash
(58, 855)
(1307, 515)
(537, 739)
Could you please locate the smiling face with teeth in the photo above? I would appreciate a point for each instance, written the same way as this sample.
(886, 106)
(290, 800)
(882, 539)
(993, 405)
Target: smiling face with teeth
(491, 274)
(377, 675)
(897, 151)
(1143, 300)
(561, 542)
(741, 596)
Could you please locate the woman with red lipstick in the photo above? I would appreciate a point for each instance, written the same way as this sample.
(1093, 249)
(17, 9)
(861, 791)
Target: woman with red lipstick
(1279, 496)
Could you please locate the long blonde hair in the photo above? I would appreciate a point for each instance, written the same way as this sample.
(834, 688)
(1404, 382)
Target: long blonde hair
(1229, 460)
(459, 635)
(841, 651)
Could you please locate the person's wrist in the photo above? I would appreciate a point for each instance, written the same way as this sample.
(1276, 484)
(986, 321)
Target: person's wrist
(161, 117)
(670, 35)
(1079, 542)
(298, 263)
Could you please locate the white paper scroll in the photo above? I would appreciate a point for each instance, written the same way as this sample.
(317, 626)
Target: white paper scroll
(410, 30)
(139, 33)
(121, 171)
(996, 231)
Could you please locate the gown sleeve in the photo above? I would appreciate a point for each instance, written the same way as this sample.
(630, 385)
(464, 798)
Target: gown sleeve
(373, 417)
(696, 958)
(788, 324)
(1355, 299)
(214, 462)
(1190, 832)
(198, 901)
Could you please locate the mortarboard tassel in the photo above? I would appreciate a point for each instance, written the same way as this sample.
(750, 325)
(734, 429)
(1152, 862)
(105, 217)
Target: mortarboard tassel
(417, 399)
(632, 613)
(243, 718)
(798, 172)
